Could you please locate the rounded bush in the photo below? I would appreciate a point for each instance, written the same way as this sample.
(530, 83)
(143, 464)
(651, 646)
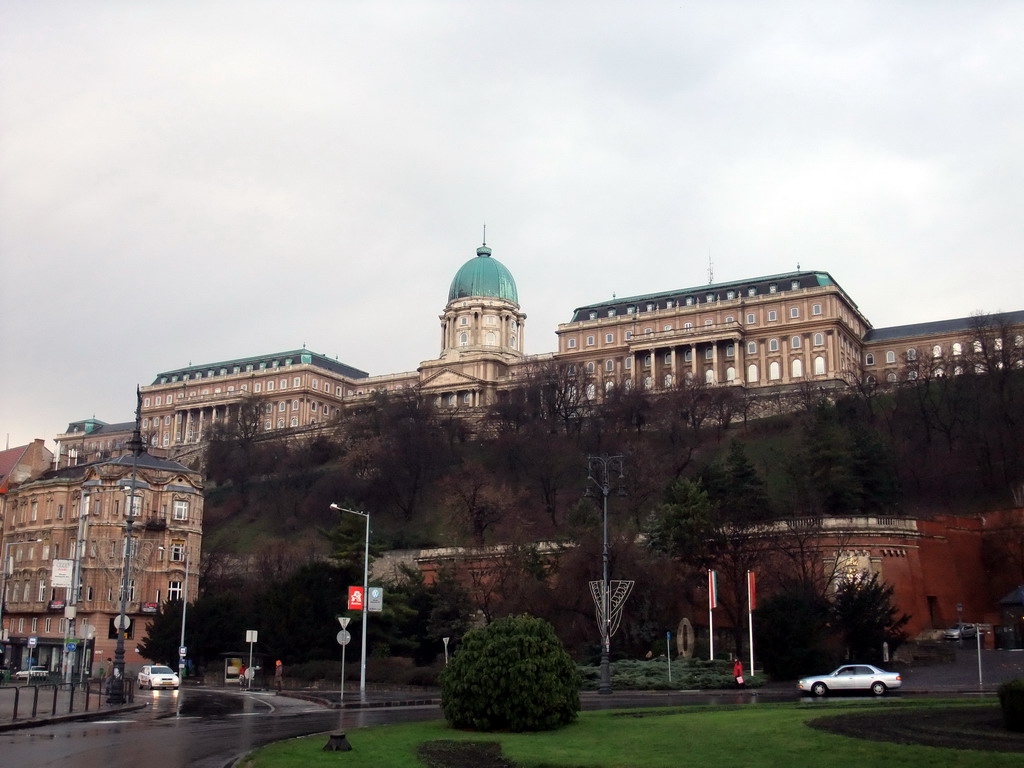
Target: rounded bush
(511, 675)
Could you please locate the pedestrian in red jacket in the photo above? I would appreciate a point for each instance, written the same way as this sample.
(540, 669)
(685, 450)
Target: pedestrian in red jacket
(737, 672)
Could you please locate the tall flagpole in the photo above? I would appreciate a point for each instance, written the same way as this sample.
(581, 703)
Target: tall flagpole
(712, 604)
(751, 604)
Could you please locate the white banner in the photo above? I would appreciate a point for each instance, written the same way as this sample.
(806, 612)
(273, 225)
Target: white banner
(60, 575)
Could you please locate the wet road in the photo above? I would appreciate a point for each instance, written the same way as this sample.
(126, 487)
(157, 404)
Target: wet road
(206, 729)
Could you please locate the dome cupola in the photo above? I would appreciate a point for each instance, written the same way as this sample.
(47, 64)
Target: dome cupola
(483, 277)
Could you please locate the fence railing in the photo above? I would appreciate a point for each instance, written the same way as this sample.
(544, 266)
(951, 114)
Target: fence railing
(34, 700)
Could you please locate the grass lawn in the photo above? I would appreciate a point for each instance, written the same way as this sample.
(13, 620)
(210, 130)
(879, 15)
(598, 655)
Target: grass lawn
(768, 735)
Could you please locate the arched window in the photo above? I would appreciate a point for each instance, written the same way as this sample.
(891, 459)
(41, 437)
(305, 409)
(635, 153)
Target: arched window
(667, 380)
(609, 386)
(752, 374)
(709, 376)
(463, 339)
(629, 385)
(819, 339)
(795, 342)
(937, 351)
(775, 371)
(730, 374)
(773, 345)
(590, 367)
(819, 366)
(797, 368)
(911, 354)
(890, 357)
(492, 340)
(890, 377)
(591, 391)
(751, 347)
(958, 349)
(647, 382)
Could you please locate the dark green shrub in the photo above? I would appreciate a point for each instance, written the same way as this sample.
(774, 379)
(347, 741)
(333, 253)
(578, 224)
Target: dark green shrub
(511, 675)
(1011, 699)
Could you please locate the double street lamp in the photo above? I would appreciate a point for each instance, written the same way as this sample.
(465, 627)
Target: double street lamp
(366, 580)
(599, 471)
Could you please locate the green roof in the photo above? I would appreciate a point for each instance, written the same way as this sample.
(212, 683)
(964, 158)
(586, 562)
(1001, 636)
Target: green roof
(483, 277)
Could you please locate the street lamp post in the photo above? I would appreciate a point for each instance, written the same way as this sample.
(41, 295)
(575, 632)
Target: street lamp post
(184, 608)
(599, 469)
(116, 693)
(366, 580)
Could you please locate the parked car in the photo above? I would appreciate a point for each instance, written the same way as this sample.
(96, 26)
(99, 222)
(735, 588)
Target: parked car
(960, 632)
(852, 677)
(157, 676)
(32, 673)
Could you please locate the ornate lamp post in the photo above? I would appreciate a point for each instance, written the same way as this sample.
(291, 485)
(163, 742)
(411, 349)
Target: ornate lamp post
(116, 693)
(599, 470)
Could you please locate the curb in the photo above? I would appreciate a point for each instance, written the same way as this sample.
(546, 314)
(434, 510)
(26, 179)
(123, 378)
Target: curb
(95, 714)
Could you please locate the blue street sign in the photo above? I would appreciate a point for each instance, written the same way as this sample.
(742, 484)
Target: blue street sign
(71, 646)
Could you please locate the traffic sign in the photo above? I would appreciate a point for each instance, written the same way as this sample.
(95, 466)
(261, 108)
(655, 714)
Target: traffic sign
(344, 637)
(33, 642)
(182, 652)
(71, 647)
(122, 622)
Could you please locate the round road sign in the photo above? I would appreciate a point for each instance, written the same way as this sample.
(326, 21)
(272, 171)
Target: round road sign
(344, 637)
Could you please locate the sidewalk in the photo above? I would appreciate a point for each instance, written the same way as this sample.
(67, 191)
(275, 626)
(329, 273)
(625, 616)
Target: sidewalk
(31, 705)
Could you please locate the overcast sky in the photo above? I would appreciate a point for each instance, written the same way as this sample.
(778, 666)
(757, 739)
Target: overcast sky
(199, 181)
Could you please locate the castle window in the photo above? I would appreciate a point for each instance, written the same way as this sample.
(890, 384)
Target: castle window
(816, 309)
(609, 338)
(752, 291)
(794, 312)
(773, 288)
(819, 366)
(937, 351)
(687, 326)
(772, 315)
(590, 367)
(593, 315)
(650, 307)
(611, 312)
(590, 341)
(571, 343)
(629, 335)
(752, 374)
(463, 320)
(890, 377)
(730, 350)
(630, 310)
(710, 297)
(730, 294)
(773, 345)
(689, 301)
(647, 331)
(798, 368)
(751, 347)
(819, 339)
(667, 328)
(795, 342)
(890, 357)
(911, 354)
(463, 339)
(958, 349)
(869, 359)
(627, 363)
(795, 285)
(609, 365)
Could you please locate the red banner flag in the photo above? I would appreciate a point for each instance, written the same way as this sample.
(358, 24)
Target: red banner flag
(712, 589)
(355, 598)
(751, 591)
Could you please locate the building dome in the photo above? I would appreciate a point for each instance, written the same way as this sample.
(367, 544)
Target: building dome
(483, 277)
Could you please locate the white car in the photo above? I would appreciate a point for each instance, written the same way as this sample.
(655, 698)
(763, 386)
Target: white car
(32, 673)
(157, 676)
(852, 677)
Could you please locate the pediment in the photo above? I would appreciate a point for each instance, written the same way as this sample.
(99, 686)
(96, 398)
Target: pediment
(447, 378)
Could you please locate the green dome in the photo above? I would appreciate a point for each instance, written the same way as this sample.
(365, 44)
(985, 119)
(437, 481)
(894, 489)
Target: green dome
(483, 276)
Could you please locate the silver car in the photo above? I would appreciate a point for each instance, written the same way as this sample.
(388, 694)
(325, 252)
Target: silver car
(852, 677)
(960, 632)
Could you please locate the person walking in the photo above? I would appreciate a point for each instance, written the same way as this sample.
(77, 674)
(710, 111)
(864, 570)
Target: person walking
(737, 672)
(278, 675)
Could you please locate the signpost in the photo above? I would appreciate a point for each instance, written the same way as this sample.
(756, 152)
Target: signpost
(355, 598)
(251, 636)
(375, 600)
